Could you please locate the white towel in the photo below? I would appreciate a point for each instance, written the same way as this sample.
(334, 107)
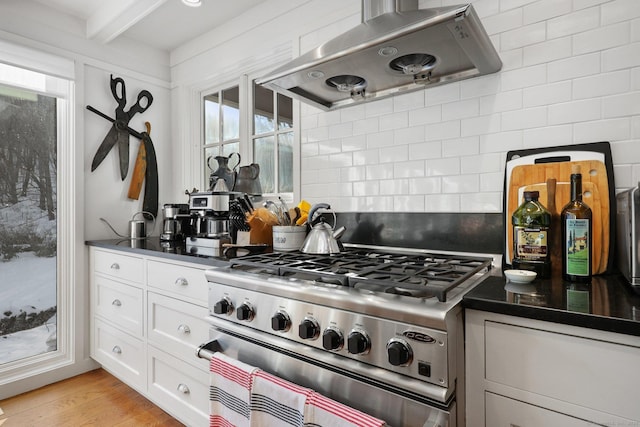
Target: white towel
(229, 392)
(320, 411)
(276, 402)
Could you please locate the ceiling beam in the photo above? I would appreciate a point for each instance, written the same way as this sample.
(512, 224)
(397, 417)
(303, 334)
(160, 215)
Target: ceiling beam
(116, 16)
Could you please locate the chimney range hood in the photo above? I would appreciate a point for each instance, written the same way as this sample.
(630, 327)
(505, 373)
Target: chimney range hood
(396, 49)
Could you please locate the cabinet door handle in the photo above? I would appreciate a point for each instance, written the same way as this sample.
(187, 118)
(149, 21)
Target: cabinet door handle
(115, 266)
(116, 349)
(116, 302)
(181, 281)
(182, 388)
(184, 329)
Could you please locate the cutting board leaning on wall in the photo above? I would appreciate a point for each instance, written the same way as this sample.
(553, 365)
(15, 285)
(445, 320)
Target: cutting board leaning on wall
(548, 171)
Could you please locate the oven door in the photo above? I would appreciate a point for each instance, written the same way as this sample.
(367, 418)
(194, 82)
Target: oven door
(309, 367)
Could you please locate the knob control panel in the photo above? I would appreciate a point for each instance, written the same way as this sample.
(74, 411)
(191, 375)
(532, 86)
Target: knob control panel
(332, 339)
(280, 322)
(245, 312)
(223, 306)
(358, 342)
(399, 352)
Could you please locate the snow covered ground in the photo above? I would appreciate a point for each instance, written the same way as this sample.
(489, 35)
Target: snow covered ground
(27, 283)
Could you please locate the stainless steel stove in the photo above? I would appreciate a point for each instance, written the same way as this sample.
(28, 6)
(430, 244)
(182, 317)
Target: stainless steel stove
(379, 329)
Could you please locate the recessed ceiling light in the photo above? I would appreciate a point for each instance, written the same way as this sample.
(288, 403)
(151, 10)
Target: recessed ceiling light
(193, 3)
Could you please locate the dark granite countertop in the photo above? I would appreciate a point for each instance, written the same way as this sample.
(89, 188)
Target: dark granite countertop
(153, 246)
(608, 303)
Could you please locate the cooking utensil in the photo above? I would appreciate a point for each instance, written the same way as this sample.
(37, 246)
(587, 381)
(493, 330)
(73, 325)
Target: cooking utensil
(322, 239)
(118, 132)
(137, 177)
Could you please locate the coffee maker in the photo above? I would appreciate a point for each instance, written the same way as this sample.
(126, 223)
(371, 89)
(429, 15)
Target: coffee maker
(176, 223)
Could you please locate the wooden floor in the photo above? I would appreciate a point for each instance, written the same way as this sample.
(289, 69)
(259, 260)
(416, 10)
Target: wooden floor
(92, 399)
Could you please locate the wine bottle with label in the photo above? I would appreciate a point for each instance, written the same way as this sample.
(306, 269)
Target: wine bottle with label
(531, 221)
(577, 222)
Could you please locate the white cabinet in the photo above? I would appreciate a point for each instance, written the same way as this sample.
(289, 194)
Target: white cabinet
(525, 372)
(147, 319)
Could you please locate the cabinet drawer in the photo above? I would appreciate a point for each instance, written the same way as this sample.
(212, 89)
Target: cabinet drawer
(124, 267)
(584, 372)
(179, 388)
(504, 412)
(120, 353)
(184, 281)
(178, 328)
(120, 304)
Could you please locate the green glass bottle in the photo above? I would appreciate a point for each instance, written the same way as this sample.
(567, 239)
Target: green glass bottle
(577, 221)
(531, 222)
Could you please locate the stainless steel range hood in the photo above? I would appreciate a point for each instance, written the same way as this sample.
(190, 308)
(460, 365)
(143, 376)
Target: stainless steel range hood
(396, 49)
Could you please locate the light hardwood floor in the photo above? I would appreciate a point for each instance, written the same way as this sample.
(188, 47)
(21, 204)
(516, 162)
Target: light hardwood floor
(93, 399)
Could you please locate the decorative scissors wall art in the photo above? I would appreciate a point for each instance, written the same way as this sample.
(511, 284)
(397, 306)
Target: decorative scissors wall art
(119, 135)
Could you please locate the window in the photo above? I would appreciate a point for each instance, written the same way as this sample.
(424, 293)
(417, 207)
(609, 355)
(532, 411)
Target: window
(259, 126)
(37, 210)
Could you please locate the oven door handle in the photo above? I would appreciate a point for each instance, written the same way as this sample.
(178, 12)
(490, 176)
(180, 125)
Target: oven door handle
(206, 350)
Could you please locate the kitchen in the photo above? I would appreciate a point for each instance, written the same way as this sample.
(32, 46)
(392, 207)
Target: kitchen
(569, 76)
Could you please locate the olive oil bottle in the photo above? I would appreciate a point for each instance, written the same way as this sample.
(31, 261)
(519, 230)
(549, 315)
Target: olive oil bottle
(531, 222)
(577, 221)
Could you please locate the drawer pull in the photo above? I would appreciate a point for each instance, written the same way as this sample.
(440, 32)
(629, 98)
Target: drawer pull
(181, 281)
(182, 388)
(184, 329)
(116, 302)
(115, 266)
(116, 349)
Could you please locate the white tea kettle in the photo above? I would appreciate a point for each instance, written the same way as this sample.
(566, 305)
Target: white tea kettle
(322, 239)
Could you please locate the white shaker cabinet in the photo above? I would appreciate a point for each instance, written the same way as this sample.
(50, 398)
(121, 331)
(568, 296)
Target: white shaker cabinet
(528, 373)
(147, 319)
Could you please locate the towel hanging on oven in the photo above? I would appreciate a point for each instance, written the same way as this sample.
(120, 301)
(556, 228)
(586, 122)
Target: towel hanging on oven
(229, 391)
(276, 402)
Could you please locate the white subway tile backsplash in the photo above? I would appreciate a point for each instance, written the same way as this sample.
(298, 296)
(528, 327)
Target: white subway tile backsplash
(394, 186)
(547, 136)
(366, 157)
(381, 139)
(602, 130)
(394, 121)
(523, 36)
(501, 142)
(483, 163)
(621, 57)
(440, 167)
(408, 135)
(361, 127)
(625, 152)
(443, 130)
(366, 188)
(524, 119)
(399, 153)
(379, 172)
(601, 38)
(524, 77)
(354, 173)
(426, 115)
(329, 118)
(309, 149)
(442, 203)
(635, 127)
(341, 159)
(484, 8)
(482, 202)
(461, 147)
(635, 30)
(378, 108)
(354, 143)
(492, 182)
(547, 51)
(483, 85)
(440, 94)
(511, 60)
(625, 104)
(409, 169)
(317, 134)
(341, 130)
(573, 23)
(545, 9)
(408, 101)
(480, 125)
(619, 10)
(512, 4)
(581, 4)
(623, 174)
(413, 203)
(425, 150)
(504, 101)
(460, 109)
(428, 185)
(461, 183)
(502, 22)
(601, 84)
(353, 113)
(571, 68)
(575, 111)
(547, 94)
(635, 175)
(329, 146)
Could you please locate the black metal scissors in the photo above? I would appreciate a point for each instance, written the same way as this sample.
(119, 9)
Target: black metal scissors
(118, 132)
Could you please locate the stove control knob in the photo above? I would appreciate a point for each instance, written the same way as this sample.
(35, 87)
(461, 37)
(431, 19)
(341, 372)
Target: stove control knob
(224, 306)
(358, 343)
(399, 352)
(245, 312)
(332, 339)
(309, 329)
(280, 322)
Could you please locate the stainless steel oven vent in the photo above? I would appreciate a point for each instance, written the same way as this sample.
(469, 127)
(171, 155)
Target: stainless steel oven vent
(396, 48)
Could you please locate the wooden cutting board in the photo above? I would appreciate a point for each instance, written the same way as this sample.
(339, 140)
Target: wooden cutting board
(595, 188)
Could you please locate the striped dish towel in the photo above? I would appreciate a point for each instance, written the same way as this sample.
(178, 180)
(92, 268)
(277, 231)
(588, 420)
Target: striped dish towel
(320, 411)
(276, 402)
(229, 392)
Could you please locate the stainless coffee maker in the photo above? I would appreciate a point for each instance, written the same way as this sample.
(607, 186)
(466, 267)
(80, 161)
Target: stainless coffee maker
(176, 223)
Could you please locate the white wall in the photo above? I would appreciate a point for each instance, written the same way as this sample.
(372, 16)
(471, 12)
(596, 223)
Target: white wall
(571, 75)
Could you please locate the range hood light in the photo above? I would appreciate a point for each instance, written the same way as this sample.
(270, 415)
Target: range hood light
(347, 83)
(315, 74)
(387, 51)
(414, 63)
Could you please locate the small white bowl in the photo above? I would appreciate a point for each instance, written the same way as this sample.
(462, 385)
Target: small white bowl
(520, 276)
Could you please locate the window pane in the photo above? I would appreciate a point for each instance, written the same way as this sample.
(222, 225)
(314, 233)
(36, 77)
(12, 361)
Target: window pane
(227, 149)
(263, 154)
(263, 110)
(285, 162)
(210, 163)
(28, 232)
(211, 119)
(231, 113)
(285, 112)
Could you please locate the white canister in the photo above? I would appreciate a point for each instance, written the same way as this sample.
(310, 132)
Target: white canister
(288, 237)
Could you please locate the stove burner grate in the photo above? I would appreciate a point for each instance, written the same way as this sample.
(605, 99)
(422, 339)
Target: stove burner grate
(415, 275)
